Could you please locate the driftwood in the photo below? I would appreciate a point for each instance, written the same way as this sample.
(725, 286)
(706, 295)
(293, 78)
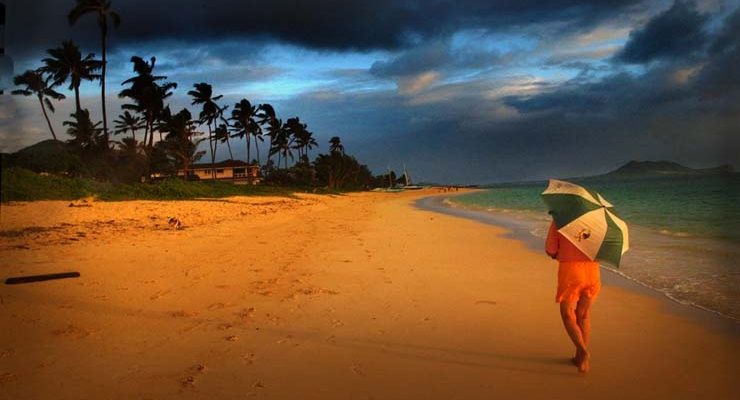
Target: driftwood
(38, 278)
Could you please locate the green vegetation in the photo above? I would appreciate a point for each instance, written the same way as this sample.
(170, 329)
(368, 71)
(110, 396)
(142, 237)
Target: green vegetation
(91, 163)
(19, 184)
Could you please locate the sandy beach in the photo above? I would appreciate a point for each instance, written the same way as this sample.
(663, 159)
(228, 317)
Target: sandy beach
(360, 296)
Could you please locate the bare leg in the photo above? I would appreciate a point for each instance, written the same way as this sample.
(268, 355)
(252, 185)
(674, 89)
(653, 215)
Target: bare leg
(568, 314)
(583, 319)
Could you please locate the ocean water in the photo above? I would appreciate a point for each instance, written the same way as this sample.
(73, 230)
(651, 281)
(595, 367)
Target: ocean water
(684, 232)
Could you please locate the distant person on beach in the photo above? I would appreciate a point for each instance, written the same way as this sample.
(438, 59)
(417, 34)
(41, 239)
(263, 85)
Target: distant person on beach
(579, 283)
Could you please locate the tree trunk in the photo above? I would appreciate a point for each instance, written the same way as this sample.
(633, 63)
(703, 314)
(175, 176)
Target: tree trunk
(248, 149)
(151, 132)
(77, 98)
(102, 85)
(213, 164)
(268, 151)
(228, 145)
(43, 108)
(257, 149)
(249, 175)
(213, 152)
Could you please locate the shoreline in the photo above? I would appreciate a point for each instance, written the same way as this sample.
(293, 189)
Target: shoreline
(518, 230)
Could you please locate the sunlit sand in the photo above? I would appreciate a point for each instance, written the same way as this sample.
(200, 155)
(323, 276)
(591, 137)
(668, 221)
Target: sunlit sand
(318, 297)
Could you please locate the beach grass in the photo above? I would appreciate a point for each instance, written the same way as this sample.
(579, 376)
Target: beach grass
(19, 184)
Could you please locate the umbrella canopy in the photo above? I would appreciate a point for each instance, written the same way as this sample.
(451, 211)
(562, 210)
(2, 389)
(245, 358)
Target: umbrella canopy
(587, 220)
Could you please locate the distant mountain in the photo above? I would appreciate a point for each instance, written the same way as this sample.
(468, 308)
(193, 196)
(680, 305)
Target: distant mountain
(45, 156)
(655, 169)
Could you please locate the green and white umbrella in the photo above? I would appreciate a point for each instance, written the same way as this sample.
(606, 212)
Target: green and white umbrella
(587, 220)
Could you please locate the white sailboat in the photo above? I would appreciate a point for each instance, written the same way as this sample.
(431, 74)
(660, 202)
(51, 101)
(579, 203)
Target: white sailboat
(409, 185)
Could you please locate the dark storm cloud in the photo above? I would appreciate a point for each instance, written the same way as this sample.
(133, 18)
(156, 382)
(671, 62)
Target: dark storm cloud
(436, 55)
(326, 24)
(723, 74)
(677, 32)
(689, 108)
(612, 95)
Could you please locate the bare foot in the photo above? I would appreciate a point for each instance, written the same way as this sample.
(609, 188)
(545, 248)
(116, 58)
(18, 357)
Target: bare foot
(583, 365)
(576, 358)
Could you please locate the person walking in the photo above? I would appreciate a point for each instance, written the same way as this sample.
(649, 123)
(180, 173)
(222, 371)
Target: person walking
(579, 283)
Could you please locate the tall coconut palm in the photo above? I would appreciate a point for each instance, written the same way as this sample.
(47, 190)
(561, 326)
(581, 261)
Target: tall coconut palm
(66, 63)
(37, 85)
(129, 122)
(203, 94)
(245, 125)
(102, 10)
(148, 93)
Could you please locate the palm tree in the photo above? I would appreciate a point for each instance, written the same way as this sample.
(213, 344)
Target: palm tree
(336, 145)
(180, 131)
(304, 140)
(148, 94)
(221, 134)
(310, 142)
(282, 144)
(40, 87)
(85, 134)
(268, 118)
(203, 94)
(66, 63)
(102, 9)
(245, 124)
(129, 122)
(129, 146)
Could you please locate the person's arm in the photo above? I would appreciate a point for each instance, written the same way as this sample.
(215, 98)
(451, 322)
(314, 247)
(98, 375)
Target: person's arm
(552, 242)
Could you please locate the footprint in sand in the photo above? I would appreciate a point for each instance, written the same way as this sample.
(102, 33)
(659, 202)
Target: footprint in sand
(183, 314)
(7, 377)
(246, 313)
(337, 323)
(188, 380)
(72, 332)
(357, 369)
(218, 306)
(249, 358)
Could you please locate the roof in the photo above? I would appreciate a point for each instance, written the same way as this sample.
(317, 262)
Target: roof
(221, 164)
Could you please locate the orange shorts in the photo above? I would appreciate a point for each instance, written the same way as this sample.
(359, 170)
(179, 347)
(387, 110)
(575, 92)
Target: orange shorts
(576, 279)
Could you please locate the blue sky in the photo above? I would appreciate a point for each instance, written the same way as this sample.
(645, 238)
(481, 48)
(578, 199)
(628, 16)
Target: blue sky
(467, 91)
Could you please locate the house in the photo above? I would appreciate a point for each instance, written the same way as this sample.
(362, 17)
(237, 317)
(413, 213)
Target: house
(234, 170)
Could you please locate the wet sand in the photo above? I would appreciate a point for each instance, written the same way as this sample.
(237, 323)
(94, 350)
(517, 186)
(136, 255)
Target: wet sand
(361, 296)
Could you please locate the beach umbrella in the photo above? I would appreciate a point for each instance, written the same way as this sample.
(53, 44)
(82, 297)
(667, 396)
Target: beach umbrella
(587, 220)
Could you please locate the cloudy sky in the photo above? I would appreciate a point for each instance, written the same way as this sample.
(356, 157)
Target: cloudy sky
(467, 91)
